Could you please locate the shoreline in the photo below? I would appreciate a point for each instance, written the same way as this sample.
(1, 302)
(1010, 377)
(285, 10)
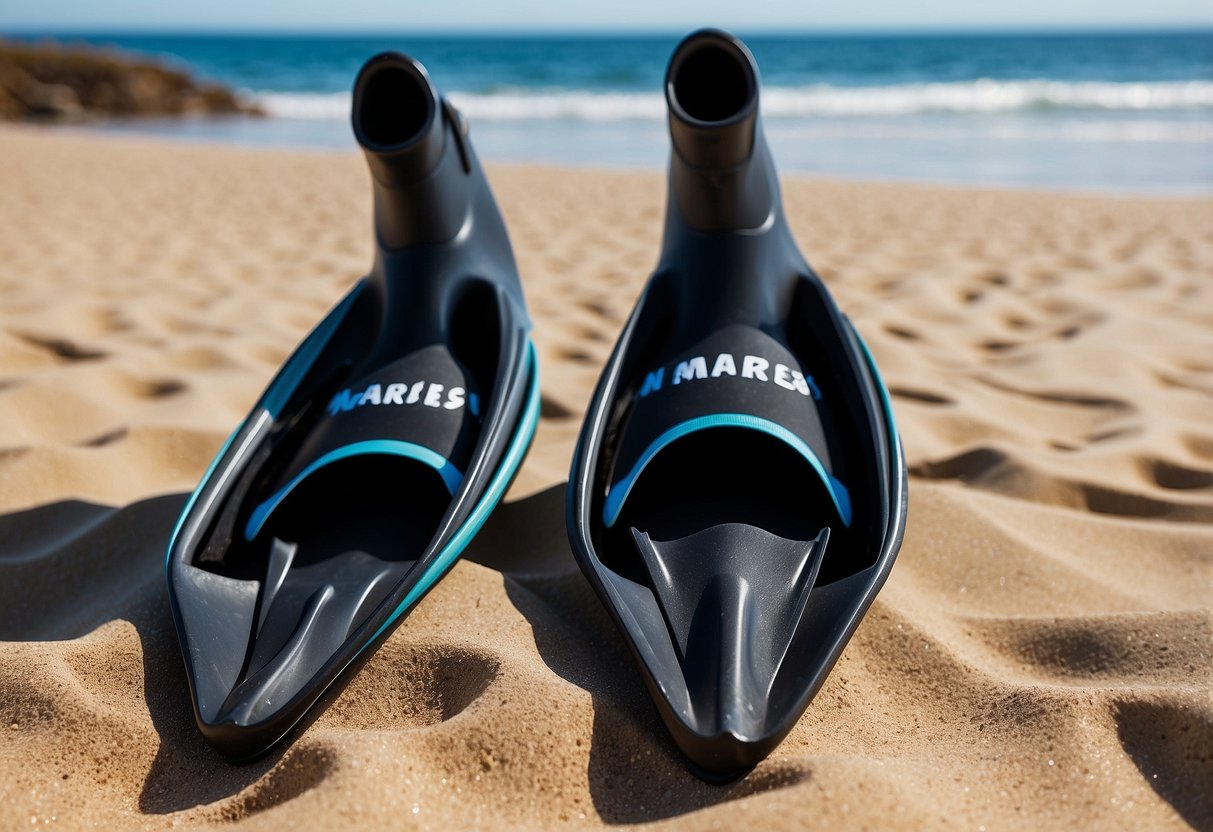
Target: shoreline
(133, 133)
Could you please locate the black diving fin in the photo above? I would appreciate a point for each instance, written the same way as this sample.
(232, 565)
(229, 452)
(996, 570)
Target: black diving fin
(738, 491)
(376, 453)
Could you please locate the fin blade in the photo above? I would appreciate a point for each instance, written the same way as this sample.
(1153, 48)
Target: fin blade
(282, 554)
(733, 597)
(217, 617)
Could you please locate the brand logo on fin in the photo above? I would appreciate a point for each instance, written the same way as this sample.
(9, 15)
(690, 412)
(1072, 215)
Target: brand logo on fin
(423, 393)
(753, 367)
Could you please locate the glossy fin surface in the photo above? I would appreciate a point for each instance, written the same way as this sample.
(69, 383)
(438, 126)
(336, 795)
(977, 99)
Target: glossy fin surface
(377, 451)
(737, 495)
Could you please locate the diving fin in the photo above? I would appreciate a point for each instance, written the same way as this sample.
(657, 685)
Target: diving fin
(378, 450)
(738, 491)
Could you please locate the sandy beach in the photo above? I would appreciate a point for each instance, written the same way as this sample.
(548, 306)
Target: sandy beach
(1041, 657)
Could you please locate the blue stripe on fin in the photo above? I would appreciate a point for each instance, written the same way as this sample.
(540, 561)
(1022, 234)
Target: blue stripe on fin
(451, 476)
(514, 454)
(619, 492)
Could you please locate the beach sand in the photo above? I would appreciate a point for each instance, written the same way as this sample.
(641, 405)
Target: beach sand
(1041, 657)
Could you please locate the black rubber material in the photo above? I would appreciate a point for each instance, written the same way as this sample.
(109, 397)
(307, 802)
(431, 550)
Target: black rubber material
(377, 450)
(763, 510)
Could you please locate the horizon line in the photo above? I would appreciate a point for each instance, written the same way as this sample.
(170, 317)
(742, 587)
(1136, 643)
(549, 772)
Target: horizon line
(608, 32)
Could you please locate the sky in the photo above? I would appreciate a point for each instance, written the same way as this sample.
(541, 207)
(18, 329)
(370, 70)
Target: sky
(616, 15)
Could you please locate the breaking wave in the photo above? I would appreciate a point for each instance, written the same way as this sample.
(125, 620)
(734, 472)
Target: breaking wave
(981, 96)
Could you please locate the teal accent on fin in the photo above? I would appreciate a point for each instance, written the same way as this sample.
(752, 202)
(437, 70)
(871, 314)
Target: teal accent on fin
(274, 398)
(451, 476)
(492, 495)
(619, 492)
(885, 401)
(279, 392)
(193, 498)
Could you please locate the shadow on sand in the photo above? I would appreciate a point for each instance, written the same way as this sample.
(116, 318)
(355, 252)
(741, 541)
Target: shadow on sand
(636, 773)
(115, 560)
(72, 566)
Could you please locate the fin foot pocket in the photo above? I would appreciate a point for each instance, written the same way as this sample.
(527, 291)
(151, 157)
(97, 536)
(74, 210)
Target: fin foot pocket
(740, 378)
(422, 407)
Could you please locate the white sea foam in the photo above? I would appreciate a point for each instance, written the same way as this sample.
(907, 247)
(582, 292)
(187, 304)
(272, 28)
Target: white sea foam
(981, 96)
(304, 105)
(987, 96)
(1047, 130)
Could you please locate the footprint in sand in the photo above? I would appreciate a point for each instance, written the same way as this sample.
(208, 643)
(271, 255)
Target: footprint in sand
(921, 396)
(591, 334)
(576, 356)
(1173, 476)
(163, 388)
(549, 408)
(1113, 434)
(901, 332)
(107, 438)
(599, 307)
(62, 348)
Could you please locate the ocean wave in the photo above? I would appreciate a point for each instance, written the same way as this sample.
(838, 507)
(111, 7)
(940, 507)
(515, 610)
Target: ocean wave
(1084, 132)
(981, 96)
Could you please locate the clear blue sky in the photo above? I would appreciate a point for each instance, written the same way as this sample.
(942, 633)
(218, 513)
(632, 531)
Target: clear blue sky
(504, 15)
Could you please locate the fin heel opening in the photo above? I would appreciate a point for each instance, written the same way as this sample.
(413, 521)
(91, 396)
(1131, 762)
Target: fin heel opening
(395, 105)
(711, 89)
(713, 82)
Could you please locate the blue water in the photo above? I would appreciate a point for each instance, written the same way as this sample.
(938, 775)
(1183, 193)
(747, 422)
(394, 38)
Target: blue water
(1110, 111)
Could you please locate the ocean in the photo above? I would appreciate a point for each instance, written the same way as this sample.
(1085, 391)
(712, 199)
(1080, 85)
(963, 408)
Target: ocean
(1114, 112)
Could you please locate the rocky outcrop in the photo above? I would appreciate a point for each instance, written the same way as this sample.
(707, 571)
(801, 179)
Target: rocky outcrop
(56, 82)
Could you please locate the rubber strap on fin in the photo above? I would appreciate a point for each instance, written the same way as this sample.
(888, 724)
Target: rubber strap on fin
(417, 407)
(451, 476)
(618, 493)
(736, 376)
